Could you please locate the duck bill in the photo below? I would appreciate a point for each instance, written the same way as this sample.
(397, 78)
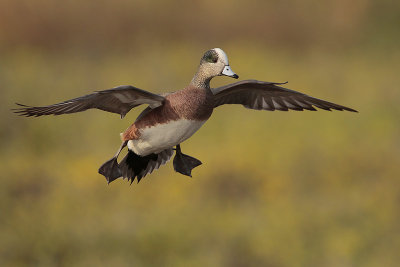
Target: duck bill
(228, 72)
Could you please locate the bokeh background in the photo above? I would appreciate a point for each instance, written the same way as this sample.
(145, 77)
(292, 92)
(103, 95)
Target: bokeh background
(275, 188)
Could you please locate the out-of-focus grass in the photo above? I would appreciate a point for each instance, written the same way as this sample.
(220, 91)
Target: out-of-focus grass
(276, 188)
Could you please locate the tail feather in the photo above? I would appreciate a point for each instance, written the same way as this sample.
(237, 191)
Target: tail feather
(133, 165)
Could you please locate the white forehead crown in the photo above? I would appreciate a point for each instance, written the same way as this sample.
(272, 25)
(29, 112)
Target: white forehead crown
(222, 55)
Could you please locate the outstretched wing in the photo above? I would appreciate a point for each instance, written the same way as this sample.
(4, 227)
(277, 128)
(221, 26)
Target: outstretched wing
(118, 100)
(260, 95)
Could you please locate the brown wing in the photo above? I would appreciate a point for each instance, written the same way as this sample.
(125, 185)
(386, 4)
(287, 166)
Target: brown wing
(260, 95)
(118, 100)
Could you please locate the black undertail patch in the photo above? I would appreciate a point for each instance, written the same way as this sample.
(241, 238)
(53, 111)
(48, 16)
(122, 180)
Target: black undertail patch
(133, 165)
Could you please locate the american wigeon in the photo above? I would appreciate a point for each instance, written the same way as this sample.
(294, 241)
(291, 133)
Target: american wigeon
(172, 118)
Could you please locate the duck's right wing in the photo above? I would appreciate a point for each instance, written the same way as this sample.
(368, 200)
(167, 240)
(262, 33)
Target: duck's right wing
(118, 100)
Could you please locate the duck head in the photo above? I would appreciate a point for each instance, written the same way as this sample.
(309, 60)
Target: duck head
(213, 63)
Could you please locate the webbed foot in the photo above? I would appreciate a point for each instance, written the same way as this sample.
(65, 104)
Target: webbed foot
(183, 163)
(110, 170)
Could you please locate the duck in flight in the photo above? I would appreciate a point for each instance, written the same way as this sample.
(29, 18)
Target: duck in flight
(171, 118)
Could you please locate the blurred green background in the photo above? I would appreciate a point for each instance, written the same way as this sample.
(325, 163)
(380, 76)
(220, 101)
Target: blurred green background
(275, 188)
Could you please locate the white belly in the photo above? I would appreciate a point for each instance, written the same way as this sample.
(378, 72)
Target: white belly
(162, 136)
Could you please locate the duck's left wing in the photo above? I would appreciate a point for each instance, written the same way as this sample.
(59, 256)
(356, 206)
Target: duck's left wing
(260, 95)
(118, 100)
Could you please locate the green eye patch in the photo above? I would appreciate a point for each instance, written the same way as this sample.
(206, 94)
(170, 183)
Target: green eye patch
(210, 56)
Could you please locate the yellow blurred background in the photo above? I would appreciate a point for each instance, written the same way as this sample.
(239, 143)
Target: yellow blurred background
(275, 188)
